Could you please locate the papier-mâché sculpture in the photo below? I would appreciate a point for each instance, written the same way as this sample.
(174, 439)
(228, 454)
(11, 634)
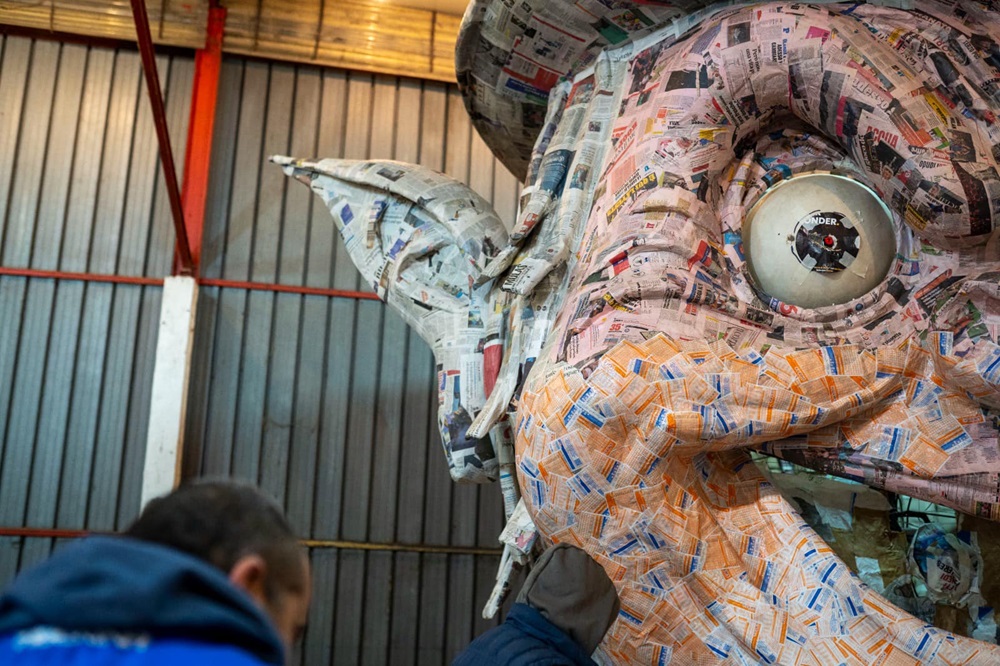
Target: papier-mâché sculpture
(624, 346)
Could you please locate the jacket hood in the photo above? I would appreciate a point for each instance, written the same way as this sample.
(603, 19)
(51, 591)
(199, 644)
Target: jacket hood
(129, 586)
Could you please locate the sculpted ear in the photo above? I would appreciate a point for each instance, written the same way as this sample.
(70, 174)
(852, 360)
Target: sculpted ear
(430, 247)
(413, 233)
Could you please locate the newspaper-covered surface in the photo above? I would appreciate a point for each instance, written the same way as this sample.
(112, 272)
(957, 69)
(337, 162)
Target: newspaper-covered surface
(635, 360)
(424, 243)
(665, 361)
(510, 54)
(638, 468)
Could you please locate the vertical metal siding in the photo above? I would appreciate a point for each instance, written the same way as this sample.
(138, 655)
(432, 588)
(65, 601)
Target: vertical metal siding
(79, 191)
(327, 402)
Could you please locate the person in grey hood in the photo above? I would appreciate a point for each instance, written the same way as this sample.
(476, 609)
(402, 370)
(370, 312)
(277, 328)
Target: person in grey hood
(562, 612)
(210, 573)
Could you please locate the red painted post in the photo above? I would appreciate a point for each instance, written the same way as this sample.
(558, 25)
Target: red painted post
(197, 161)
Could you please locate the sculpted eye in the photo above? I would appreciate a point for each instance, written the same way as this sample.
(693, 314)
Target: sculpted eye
(817, 240)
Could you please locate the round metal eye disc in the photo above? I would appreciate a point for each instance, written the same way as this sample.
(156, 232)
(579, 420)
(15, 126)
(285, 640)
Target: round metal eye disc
(818, 239)
(826, 241)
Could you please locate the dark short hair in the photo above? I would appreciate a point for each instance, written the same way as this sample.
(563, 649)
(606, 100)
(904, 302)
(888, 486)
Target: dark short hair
(221, 522)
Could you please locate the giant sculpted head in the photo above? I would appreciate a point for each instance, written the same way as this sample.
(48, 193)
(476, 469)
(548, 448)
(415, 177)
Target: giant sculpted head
(767, 227)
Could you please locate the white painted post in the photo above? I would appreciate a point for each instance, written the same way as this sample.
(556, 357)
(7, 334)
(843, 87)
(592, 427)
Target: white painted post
(168, 407)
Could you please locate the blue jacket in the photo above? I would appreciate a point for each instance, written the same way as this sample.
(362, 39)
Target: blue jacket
(526, 637)
(113, 601)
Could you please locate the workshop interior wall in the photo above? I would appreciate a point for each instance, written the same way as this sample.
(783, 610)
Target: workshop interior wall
(80, 191)
(327, 403)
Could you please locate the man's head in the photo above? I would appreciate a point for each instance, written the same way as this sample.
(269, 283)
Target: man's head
(242, 532)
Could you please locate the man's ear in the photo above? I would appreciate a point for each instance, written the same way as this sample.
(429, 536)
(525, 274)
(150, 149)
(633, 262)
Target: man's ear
(250, 574)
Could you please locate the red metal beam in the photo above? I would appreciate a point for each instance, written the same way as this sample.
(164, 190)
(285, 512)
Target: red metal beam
(162, 134)
(198, 158)
(83, 277)
(205, 282)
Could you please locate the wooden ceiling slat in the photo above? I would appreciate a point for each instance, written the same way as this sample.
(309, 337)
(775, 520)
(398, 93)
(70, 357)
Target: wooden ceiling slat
(355, 34)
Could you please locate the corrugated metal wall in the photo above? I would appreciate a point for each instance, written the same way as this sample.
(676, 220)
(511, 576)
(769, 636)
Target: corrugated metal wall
(327, 403)
(79, 191)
